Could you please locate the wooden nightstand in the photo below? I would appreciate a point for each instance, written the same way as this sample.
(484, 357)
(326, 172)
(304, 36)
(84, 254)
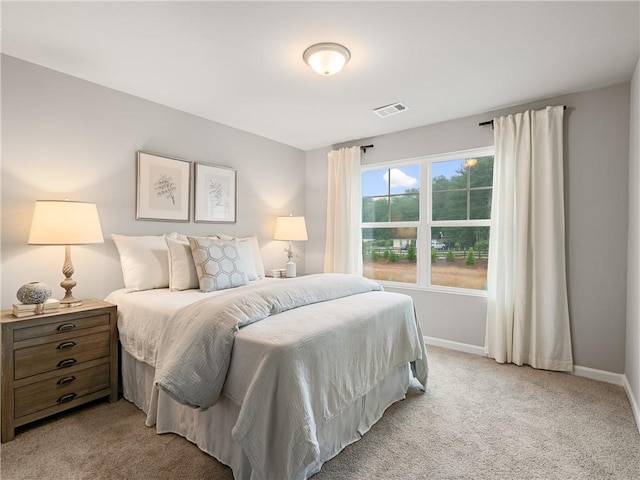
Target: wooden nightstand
(53, 362)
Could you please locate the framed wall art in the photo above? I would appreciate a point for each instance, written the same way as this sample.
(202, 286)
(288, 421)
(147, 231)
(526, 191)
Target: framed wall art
(163, 188)
(215, 194)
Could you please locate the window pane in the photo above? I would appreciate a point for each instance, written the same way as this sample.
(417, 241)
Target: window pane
(480, 204)
(405, 208)
(390, 254)
(374, 183)
(399, 187)
(449, 205)
(404, 179)
(481, 174)
(459, 257)
(375, 209)
(448, 175)
(455, 181)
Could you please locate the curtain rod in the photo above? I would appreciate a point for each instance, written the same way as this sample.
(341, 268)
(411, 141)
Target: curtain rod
(363, 148)
(490, 122)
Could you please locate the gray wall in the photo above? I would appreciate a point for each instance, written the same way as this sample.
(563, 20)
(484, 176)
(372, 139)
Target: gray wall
(64, 137)
(632, 370)
(67, 138)
(596, 187)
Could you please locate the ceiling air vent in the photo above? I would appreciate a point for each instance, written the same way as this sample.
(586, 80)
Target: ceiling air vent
(388, 110)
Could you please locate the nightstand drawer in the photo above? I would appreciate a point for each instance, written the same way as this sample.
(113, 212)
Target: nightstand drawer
(59, 327)
(62, 389)
(60, 354)
(57, 361)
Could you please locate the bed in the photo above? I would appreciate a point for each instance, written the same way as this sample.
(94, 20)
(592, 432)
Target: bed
(273, 377)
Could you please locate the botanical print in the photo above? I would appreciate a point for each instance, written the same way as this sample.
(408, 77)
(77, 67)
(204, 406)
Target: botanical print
(215, 199)
(215, 193)
(218, 198)
(165, 193)
(163, 188)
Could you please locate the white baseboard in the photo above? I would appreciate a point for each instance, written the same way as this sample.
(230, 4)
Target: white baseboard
(451, 345)
(635, 408)
(592, 373)
(600, 375)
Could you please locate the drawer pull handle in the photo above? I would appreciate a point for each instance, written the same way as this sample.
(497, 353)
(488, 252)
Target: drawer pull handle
(65, 327)
(67, 398)
(65, 380)
(66, 363)
(65, 345)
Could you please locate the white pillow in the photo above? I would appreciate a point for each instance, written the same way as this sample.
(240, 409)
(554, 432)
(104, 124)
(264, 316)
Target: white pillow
(182, 270)
(218, 263)
(144, 261)
(180, 236)
(250, 254)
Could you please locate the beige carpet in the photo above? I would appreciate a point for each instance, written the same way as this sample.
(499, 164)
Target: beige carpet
(477, 420)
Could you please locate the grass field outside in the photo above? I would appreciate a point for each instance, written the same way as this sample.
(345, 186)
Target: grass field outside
(443, 273)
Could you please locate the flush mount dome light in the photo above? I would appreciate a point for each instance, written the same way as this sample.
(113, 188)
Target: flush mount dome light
(326, 58)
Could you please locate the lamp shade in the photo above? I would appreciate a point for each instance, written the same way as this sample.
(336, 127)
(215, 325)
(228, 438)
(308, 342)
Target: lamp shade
(62, 222)
(290, 228)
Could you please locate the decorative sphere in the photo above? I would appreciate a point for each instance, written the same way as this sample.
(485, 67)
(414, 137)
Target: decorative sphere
(33, 292)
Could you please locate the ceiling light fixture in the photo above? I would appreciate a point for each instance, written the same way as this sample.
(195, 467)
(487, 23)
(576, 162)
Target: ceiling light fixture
(326, 58)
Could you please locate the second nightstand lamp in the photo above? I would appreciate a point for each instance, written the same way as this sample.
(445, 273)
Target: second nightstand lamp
(291, 229)
(61, 222)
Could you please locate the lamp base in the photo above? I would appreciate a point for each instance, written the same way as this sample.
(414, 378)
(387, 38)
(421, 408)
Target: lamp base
(68, 283)
(70, 301)
(290, 269)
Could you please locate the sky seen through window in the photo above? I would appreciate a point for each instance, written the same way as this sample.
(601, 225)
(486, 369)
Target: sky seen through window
(375, 182)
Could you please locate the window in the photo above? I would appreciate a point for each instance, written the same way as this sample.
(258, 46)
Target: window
(426, 221)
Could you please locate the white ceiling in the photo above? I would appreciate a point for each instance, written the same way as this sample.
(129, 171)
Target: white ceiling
(240, 63)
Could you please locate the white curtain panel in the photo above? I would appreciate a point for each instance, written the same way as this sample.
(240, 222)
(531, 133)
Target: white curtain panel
(527, 307)
(343, 247)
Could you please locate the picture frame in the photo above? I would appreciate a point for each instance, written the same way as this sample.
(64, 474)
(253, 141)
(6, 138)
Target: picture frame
(163, 188)
(215, 194)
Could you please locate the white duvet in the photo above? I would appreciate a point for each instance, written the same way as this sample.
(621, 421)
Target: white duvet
(298, 368)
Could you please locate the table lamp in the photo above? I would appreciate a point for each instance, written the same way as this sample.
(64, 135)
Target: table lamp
(290, 229)
(62, 222)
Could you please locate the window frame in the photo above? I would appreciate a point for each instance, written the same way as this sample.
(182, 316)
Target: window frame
(425, 222)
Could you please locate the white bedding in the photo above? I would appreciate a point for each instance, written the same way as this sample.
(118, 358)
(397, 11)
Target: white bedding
(195, 349)
(142, 316)
(293, 373)
(211, 429)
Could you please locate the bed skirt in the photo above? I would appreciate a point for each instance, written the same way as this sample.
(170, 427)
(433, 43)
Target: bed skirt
(210, 430)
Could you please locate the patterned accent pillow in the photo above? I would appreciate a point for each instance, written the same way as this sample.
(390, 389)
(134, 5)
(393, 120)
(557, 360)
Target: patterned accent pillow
(250, 253)
(218, 263)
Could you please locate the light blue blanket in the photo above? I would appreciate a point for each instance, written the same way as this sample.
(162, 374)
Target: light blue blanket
(195, 348)
(299, 370)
